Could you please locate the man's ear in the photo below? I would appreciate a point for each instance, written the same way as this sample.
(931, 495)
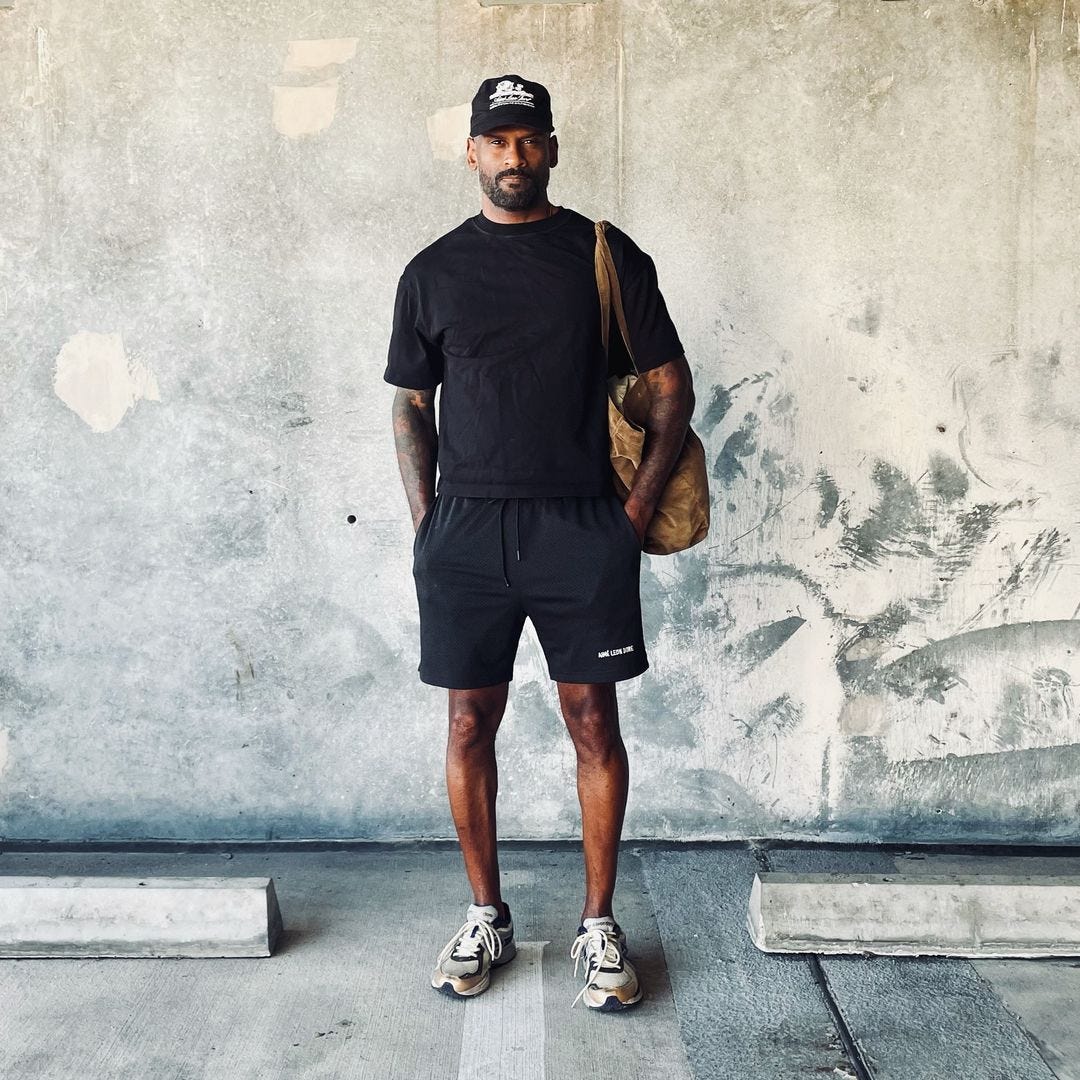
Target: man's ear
(470, 152)
(553, 151)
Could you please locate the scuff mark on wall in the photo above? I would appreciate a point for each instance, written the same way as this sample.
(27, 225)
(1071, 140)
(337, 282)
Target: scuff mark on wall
(447, 130)
(1029, 572)
(5, 746)
(940, 700)
(97, 380)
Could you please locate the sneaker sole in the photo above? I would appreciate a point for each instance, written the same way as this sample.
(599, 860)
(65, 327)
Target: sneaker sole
(612, 1004)
(445, 983)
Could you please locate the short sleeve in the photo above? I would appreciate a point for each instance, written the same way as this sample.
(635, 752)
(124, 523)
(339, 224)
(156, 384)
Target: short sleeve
(414, 361)
(653, 336)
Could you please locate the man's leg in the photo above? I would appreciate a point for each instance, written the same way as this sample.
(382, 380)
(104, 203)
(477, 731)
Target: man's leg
(472, 782)
(591, 712)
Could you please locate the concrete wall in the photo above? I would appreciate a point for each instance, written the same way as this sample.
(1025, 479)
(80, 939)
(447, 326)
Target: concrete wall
(864, 218)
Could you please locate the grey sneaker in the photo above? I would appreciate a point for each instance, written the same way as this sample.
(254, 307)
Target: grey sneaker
(485, 940)
(611, 983)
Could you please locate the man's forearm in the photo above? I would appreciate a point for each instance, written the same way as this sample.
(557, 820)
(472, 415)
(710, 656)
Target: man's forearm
(417, 443)
(671, 405)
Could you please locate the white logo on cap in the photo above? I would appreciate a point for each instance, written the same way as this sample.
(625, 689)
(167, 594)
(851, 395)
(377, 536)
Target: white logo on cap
(509, 92)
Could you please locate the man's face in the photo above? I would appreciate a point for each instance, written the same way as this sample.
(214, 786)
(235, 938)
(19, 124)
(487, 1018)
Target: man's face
(514, 164)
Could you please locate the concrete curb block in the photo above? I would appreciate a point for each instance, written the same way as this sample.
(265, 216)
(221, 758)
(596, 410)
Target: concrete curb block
(137, 917)
(985, 915)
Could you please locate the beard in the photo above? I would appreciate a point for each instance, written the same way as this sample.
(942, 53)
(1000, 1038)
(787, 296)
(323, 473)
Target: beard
(523, 196)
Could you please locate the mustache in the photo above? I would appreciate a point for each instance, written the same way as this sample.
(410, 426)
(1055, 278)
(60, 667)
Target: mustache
(514, 172)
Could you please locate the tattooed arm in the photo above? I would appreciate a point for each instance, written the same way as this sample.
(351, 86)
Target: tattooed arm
(417, 444)
(671, 404)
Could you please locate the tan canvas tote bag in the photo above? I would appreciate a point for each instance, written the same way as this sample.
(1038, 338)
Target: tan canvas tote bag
(682, 515)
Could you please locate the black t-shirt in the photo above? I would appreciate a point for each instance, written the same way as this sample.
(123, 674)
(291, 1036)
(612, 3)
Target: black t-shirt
(507, 319)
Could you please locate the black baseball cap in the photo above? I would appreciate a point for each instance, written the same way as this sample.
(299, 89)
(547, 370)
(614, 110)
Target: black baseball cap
(510, 99)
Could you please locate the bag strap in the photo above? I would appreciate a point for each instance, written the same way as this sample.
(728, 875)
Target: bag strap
(607, 284)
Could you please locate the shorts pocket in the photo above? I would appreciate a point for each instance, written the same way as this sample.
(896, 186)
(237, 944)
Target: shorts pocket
(627, 523)
(429, 513)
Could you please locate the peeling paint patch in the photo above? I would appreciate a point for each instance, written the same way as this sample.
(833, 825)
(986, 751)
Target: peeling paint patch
(863, 715)
(447, 131)
(784, 405)
(305, 110)
(319, 53)
(97, 380)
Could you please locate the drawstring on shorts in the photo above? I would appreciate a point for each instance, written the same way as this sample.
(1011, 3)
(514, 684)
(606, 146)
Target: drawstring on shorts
(517, 536)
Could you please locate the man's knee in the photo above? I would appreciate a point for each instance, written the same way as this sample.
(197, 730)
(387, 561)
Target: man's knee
(475, 717)
(592, 719)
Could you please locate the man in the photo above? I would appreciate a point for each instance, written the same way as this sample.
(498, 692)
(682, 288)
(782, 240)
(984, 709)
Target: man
(503, 313)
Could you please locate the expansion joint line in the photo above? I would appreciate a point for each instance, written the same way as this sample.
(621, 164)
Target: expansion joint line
(847, 1039)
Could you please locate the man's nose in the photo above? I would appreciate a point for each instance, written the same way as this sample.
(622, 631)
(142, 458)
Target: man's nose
(513, 158)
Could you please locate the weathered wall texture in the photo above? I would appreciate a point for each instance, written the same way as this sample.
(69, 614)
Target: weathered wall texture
(864, 216)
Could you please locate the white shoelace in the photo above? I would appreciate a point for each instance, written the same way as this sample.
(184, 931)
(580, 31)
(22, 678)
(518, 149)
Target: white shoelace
(594, 944)
(467, 944)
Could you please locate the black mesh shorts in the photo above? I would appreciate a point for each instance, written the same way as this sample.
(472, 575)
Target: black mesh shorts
(569, 563)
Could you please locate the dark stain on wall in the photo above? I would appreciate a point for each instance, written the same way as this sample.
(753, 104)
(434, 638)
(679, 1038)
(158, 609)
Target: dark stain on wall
(829, 494)
(1013, 716)
(716, 410)
(894, 524)
(869, 322)
(740, 444)
(961, 797)
(948, 480)
(759, 644)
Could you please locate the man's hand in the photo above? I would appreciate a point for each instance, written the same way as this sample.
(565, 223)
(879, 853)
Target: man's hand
(671, 404)
(417, 444)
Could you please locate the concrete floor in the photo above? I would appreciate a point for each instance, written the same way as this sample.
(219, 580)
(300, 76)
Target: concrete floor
(347, 995)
